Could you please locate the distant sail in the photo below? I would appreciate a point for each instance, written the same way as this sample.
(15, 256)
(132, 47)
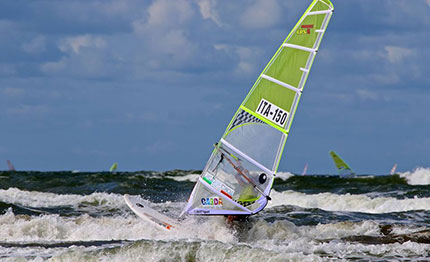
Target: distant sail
(393, 169)
(305, 169)
(113, 167)
(10, 165)
(239, 174)
(342, 167)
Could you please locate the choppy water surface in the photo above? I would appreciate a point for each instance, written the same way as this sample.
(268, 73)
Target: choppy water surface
(66, 216)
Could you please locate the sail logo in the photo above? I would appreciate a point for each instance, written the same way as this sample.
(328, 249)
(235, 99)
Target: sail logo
(305, 30)
(211, 201)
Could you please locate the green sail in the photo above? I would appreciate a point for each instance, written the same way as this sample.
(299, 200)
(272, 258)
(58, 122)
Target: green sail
(113, 167)
(342, 167)
(239, 174)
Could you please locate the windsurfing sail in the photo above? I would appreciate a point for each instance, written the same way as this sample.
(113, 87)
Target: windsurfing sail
(113, 167)
(239, 174)
(10, 165)
(341, 165)
(393, 169)
(305, 169)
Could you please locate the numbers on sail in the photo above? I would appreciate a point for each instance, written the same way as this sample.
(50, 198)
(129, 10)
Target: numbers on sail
(272, 112)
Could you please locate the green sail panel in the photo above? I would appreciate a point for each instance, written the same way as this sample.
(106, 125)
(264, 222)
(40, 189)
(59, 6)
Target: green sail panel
(113, 167)
(276, 94)
(239, 175)
(291, 60)
(343, 168)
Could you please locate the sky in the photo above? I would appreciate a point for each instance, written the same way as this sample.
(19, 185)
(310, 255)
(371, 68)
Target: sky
(153, 84)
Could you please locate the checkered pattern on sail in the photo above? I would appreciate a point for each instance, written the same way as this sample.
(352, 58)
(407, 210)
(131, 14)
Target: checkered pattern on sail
(243, 117)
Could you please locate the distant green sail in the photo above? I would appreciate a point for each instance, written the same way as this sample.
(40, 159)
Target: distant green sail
(239, 175)
(113, 167)
(341, 165)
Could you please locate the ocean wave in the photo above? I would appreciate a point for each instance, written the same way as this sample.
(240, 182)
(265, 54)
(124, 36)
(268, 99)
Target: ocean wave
(51, 227)
(285, 231)
(348, 202)
(291, 246)
(420, 176)
(122, 227)
(110, 202)
(107, 204)
(284, 175)
(130, 227)
(44, 199)
(145, 250)
(198, 239)
(188, 177)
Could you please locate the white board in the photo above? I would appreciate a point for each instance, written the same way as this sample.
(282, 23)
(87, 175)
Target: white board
(149, 214)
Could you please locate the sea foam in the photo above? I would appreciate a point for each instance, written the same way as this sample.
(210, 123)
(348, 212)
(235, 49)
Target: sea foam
(420, 176)
(348, 202)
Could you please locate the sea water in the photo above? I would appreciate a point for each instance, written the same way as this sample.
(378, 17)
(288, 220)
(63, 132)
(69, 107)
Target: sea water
(69, 216)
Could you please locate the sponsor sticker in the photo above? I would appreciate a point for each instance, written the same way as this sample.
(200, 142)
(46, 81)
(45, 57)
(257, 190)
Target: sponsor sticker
(211, 201)
(221, 186)
(305, 30)
(272, 112)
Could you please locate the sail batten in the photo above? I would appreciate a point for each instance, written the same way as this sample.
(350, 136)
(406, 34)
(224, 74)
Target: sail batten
(304, 69)
(240, 172)
(320, 12)
(300, 48)
(271, 79)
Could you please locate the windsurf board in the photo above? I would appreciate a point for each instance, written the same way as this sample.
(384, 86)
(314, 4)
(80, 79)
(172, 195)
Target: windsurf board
(143, 211)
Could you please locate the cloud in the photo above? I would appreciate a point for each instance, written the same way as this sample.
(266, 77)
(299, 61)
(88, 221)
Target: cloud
(159, 147)
(164, 35)
(35, 46)
(245, 64)
(262, 14)
(389, 77)
(397, 54)
(428, 2)
(220, 47)
(28, 110)
(246, 59)
(76, 43)
(115, 7)
(7, 27)
(208, 11)
(53, 67)
(164, 13)
(84, 55)
(7, 69)
(13, 92)
(367, 94)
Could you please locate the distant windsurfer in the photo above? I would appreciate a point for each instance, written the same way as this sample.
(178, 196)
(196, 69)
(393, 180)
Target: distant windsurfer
(10, 165)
